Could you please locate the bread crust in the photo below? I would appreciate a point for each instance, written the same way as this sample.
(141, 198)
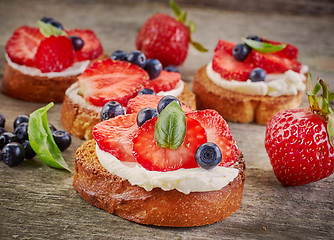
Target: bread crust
(156, 207)
(79, 121)
(239, 107)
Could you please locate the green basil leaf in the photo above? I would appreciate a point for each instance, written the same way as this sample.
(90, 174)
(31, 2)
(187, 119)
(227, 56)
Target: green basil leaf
(263, 47)
(41, 139)
(48, 30)
(171, 126)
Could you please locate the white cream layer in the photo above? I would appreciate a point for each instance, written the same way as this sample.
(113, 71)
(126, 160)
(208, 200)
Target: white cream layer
(183, 180)
(287, 83)
(75, 69)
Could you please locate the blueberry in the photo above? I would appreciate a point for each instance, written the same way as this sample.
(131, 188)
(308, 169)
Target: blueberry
(52, 128)
(12, 154)
(21, 132)
(29, 153)
(153, 67)
(240, 52)
(7, 137)
(138, 58)
(119, 55)
(257, 75)
(111, 109)
(171, 68)
(56, 24)
(208, 155)
(2, 121)
(146, 114)
(254, 38)
(62, 139)
(2, 130)
(165, 101)
(77, 42)
(146, 91)
(20, 119)
(47, 19)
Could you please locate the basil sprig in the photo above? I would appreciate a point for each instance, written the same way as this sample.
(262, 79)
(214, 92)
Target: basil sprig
(171, 126)
(41, 139)
(48, 29)
(263, 47)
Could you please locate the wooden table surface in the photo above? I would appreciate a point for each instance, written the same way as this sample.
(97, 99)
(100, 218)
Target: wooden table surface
(38, 202)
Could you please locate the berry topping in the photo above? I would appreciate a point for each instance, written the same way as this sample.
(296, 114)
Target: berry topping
(7, 137)
(208, 155)
(29, 153)
(54, 54)
(12, 154)
(62, 139)
(257, 75)
(225, 46)
(111, 109)
(53, 22)
(290, 51)
(240, 52)
(153, 67)
(146, 91)
(46, 19)
(254, 38)
(2, 121)
(166, 81)
(110, 80)
(137, 58)
(22, 46)
(20, 119)
(165, 101)
(52, 128)
(21, 132)
(171, 68)
(119, 55)
(77, 42)
(146, 114)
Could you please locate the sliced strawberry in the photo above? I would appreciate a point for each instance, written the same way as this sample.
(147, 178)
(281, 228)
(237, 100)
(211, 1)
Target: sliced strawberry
(154, 158)
(226, 46)
(142, 101)
(22, 46)
(290, 51)
(229, 68)
(218, 132)
(92, 46)
(111, 80)
(274, 63)
(54, 54)
(115, 136)
(166, 81)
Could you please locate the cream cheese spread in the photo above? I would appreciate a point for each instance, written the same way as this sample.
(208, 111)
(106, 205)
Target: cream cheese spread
(183, 180)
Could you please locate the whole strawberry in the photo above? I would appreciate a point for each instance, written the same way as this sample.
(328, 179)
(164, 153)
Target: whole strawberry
(167, 39)
(299, 142)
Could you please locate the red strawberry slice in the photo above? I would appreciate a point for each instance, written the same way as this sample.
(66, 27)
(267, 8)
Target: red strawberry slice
(115, 136)
(290, 51)
(226, 46)
(22, 46)
(154, 158)
(274, 63)
(54, 54)
(166, 81)
(92, 46)
(229, 68)
(111, 80)
(218, 132)
(142, 101)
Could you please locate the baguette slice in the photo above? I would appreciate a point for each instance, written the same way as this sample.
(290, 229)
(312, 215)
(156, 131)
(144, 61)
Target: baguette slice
(239, 107)
(156, 207)
(79, 120)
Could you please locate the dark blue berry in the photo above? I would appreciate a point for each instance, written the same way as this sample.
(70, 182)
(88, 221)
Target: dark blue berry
(240, 52)
(119, 55)
(62, 139)
(146, 91)
(153, 67)
(7, 137)
(12, 154)
(2, 121)
(208, 155)
(111, 109)
(77, 42)
(257, 75)
(20, 119)
(146, 114)
(52, 128)
(165, 101)
(2, 130)
(254, 38)
(171, 68)
(56, 24)
(29, 153)
(138, 58)
(47, 19)
(21, 132)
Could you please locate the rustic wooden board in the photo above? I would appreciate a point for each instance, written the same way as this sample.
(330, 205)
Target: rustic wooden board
(38, 202)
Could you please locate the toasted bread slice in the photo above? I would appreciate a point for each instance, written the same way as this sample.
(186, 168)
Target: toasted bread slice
(239, 107)
(156, 207)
